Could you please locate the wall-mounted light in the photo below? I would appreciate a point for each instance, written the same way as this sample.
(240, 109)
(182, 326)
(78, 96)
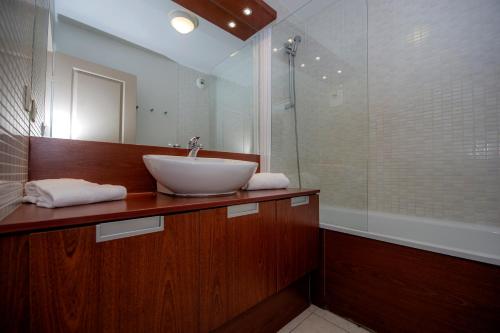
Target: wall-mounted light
(247, 11)
(183, 22)
(231, 24)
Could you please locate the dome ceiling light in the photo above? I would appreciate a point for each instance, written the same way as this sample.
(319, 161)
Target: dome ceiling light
(183, 22)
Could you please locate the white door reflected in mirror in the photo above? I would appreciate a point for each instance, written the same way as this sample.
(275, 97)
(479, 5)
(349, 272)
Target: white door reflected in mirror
(93, 102)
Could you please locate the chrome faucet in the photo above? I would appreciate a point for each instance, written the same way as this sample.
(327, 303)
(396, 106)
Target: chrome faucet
(194, 146)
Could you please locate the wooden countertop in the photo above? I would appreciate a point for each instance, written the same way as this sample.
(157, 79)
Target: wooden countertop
(30, 218)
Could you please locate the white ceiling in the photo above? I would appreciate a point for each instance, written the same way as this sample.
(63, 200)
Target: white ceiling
(146, 23)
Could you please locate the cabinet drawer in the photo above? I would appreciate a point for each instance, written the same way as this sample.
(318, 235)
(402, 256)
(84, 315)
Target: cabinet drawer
(242, 210)
(299, 201)
(128, 228)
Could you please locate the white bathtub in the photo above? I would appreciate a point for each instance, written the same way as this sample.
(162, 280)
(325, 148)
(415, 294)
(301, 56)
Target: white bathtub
(465, 240)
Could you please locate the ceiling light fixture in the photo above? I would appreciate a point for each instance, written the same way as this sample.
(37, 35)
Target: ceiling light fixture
(339, 71)
(247, 11)
(317, 58)
(275, 49)
(302, 65)
(324, 77)
(183, 22)
(231, 24)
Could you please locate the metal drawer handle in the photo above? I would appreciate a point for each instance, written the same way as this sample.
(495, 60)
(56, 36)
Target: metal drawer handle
(240, 210)
(298, 201)
(128, 228)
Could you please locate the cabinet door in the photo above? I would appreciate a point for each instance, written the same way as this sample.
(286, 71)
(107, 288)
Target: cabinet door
(237, 262)
(298, 230)
(146, 283)
(252, 265)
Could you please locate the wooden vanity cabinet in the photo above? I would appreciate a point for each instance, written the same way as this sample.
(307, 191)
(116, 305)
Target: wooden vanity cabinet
(196, 272)
(144, 283)
(298, 232)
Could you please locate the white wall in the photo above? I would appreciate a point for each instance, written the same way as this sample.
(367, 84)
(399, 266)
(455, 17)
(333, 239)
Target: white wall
(162, 85)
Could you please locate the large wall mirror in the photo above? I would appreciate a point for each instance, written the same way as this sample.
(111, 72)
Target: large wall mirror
(121, 73)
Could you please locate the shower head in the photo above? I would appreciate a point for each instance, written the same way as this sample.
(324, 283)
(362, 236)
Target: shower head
(291, 47)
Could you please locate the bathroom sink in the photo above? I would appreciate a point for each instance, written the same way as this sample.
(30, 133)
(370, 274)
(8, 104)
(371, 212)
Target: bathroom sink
(198, 176)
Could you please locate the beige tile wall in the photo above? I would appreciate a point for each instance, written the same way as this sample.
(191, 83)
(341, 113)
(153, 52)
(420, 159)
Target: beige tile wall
(434, 84)
(18, 21)
(430, 111)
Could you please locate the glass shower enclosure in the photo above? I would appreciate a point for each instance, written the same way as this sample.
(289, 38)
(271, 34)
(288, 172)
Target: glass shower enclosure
(319, 106)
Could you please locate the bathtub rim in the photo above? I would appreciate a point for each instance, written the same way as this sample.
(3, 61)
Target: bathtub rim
(381, 226)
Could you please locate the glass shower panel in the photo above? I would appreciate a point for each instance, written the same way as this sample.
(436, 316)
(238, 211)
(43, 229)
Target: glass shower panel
(327, 136)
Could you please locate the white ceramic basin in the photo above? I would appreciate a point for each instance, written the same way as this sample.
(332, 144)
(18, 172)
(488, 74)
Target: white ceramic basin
(198, 176)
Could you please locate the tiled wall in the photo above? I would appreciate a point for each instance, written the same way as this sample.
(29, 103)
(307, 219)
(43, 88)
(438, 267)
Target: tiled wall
(434, 87)
(431, 109)
(16, 38)
(23, 51)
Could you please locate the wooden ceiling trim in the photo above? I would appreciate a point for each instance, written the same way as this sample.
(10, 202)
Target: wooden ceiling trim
(262, 13)
(220, 12)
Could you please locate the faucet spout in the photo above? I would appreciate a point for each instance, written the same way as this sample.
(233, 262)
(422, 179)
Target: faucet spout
(194, 146)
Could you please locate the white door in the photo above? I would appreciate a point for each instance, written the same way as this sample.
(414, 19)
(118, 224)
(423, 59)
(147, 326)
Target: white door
(92, 102)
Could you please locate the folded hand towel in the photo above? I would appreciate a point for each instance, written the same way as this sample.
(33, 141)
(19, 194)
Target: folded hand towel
(267, 181)
(51, 193)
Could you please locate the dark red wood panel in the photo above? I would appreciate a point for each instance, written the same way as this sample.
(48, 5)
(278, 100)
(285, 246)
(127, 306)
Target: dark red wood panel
(273, 313)
(298, 231)
(14, 284)
(105, 163)
(262, 13)
(214, 269)
(220, 12)
(392, 288)
(252, 265)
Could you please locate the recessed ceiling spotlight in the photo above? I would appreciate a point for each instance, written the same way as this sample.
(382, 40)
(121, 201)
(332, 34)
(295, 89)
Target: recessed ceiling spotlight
(324, 77)
(339, 71)
(247, 11)
(318, 58)
(231, 24)
(275, 49)
(290, 40)
(182, 21)
(302, 65)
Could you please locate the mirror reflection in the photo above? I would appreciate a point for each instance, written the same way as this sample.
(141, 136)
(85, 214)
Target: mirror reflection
(124, 74)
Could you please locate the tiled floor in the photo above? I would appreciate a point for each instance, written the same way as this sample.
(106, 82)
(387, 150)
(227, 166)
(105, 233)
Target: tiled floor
(316, 320)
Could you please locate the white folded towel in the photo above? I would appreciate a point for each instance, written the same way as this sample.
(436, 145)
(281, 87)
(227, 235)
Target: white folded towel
(267, 181)
(51, 193)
